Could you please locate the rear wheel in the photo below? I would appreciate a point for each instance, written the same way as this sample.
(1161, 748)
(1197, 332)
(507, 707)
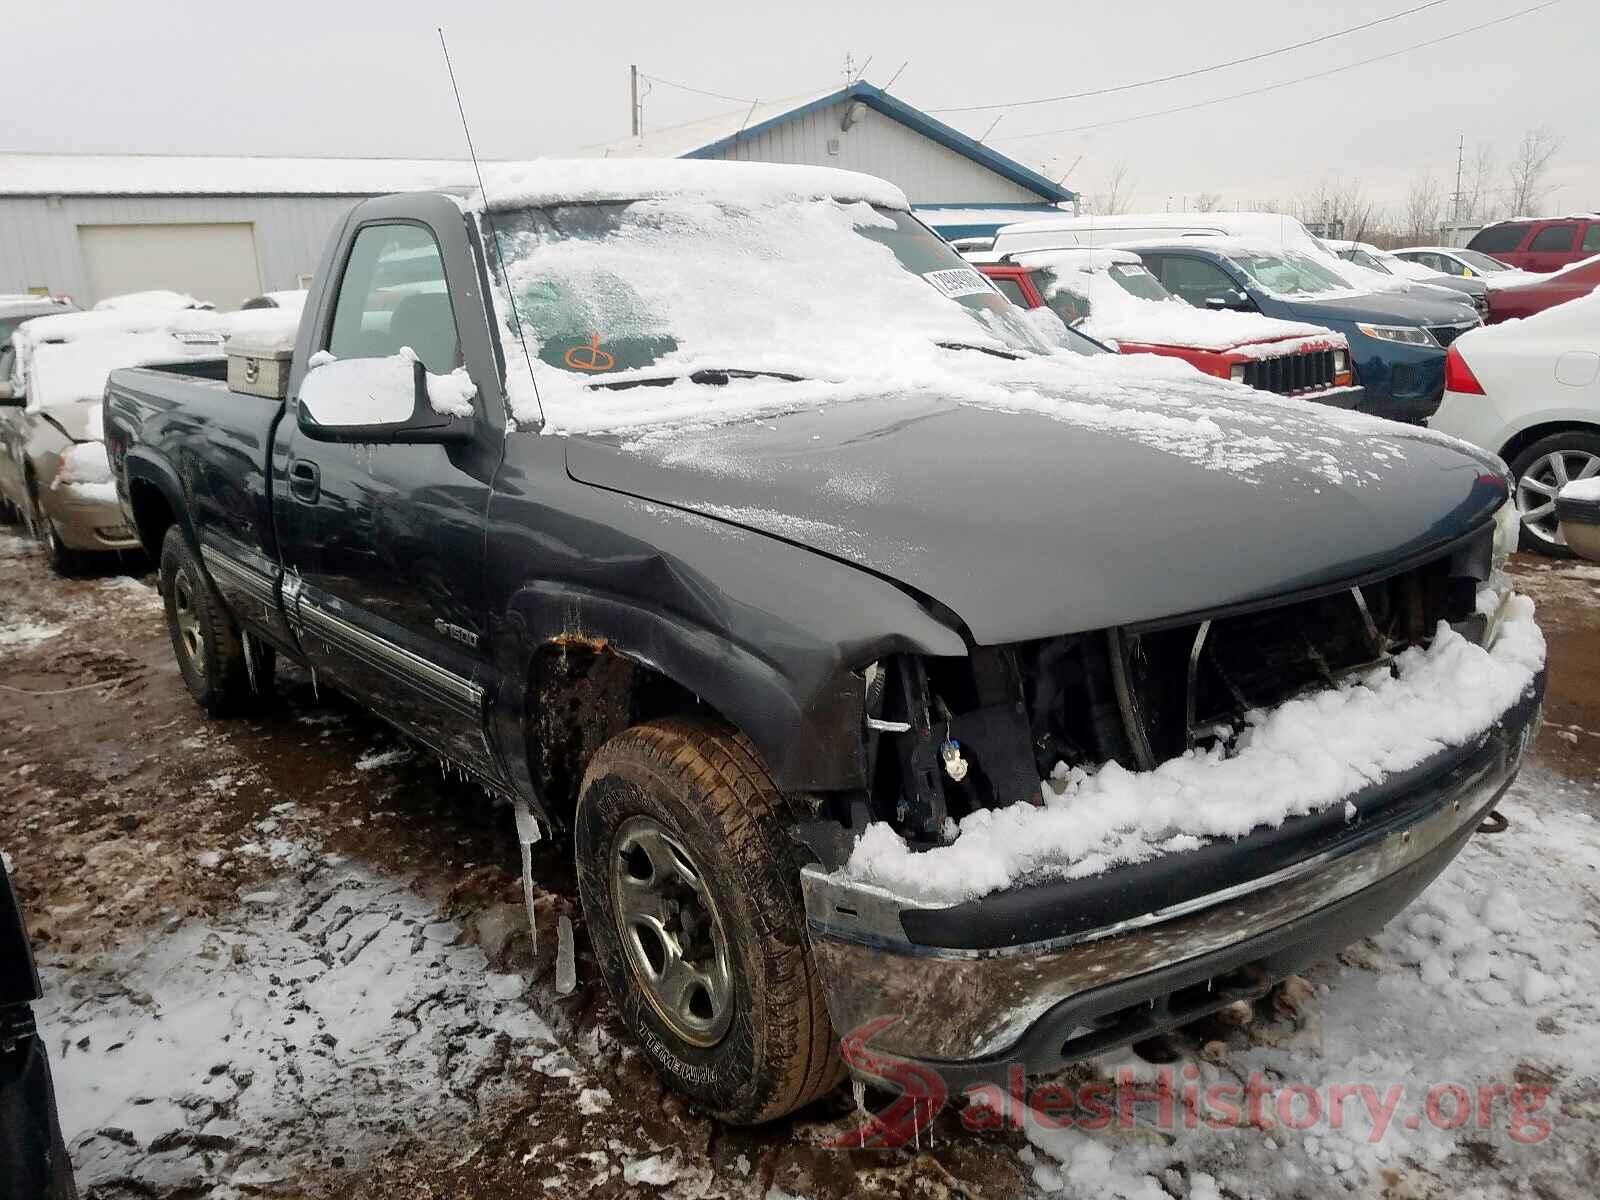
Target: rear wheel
(1540, 472)
(691, 892)
(209, 649)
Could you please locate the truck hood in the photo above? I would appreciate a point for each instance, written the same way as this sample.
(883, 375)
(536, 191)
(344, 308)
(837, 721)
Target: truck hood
(1029, 525)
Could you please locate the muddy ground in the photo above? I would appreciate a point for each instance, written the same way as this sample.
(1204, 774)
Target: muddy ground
(285, 956)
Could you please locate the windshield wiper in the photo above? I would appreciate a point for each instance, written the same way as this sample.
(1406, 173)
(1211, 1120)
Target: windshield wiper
(709, 376)
(990, 350)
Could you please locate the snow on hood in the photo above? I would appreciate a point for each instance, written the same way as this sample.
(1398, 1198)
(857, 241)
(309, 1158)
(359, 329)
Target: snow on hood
(572, 181)
(83, 326)
(1118, 315)
(158, 298)
(1302, 757)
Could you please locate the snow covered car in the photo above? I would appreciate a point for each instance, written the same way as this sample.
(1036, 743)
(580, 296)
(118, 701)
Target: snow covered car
(895, 675)
(60, 480)
(1365, 254)
(1529, 391)
(1469, 264)
(1109, 296)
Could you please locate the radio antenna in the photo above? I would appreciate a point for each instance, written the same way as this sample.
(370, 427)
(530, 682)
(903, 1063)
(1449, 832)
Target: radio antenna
(494, 234)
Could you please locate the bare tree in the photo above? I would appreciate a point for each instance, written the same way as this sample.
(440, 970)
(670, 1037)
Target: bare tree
(1207, 202)
(1424, 209)
(1115, 196)
(1528, 177)
(1477, 200)
(1338, 207)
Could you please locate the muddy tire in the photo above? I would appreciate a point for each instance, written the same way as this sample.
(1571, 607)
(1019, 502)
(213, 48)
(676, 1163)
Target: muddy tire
(691, 891)
(205, 640)
(64, 560)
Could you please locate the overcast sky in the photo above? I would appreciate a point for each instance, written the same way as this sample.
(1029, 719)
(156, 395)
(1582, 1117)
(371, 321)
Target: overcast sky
(349, 77)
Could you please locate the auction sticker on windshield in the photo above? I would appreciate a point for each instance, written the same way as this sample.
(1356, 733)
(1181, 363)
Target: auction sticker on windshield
(958, 281)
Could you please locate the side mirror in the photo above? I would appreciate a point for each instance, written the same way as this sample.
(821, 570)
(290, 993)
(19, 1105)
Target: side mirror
(381, 400)
(1230, 302)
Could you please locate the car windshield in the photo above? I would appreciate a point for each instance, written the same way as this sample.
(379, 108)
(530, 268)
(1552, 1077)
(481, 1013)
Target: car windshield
(1362, 259)
(1289, 274)
(1070, 294)
(807, 288)
(1479, 262)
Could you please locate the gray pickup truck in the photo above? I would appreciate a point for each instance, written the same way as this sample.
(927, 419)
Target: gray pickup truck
(725, 519)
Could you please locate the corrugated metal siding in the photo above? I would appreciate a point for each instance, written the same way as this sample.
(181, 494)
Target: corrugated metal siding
(39, 236)
(927, 172)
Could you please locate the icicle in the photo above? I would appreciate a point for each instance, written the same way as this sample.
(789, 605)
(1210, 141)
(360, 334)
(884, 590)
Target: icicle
(566, 964)
(859, 1091)
(316, 695)
(527, 835)
(250, 660)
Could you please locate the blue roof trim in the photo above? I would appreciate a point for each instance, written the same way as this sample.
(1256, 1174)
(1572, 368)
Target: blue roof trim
(915, 119)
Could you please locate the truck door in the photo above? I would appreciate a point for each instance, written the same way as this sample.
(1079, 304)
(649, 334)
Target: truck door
(383, 544)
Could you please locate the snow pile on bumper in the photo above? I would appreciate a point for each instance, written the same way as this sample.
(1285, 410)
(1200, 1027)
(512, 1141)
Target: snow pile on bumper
(1301, 757)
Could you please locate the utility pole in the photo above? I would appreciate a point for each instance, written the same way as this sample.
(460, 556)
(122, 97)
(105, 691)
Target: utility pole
(1461, 149)
(633, 98)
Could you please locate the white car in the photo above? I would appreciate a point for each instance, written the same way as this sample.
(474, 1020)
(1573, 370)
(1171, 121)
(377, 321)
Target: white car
(1466, 264)
(1529, 390)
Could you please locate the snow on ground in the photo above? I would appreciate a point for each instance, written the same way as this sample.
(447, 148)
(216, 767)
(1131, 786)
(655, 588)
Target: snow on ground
(1305, 755)
(1486, 984)
(331, 1004)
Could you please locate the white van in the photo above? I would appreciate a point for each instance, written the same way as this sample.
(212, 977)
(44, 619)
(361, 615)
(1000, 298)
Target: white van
(1054, 233)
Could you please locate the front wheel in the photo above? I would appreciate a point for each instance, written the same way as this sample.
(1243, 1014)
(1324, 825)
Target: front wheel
(691, 892)
(1540, 472)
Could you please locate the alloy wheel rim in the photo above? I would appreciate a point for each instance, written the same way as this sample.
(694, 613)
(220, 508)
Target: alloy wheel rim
(1536, 490)
(672, 931)
(188, 620)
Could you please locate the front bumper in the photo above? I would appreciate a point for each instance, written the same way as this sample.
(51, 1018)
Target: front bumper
(88, 522)
(1337, 397)
(1152, 946)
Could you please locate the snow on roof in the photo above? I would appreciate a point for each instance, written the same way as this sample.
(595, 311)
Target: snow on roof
(187, 175)
(66, 374)
(708, 137)
(158, 298)
(557, 181)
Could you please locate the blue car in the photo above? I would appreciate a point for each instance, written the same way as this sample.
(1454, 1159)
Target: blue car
(1397, 342)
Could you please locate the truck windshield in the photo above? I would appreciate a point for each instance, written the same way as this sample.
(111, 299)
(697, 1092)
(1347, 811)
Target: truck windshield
(808, 288)
(1289, 274)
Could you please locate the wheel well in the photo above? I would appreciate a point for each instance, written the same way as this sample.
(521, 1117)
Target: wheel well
(152, 515)
(581, 693)
(1532, 434)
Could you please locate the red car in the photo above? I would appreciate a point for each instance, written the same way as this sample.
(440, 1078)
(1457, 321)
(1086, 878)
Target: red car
(1546, 244)
(1525, 299)
(1111, 297)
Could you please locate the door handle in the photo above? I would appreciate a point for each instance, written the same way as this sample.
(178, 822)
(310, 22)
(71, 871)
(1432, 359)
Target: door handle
(305, 480)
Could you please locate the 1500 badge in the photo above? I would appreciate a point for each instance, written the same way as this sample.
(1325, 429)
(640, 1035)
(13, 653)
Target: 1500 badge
(465, 636)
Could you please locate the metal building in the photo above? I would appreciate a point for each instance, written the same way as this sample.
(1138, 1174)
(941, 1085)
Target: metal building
(959, 185)
(223, 229)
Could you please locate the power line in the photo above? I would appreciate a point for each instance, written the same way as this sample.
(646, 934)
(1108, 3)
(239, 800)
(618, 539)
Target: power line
(1272, 87)
(683, 87)
(1144, 83)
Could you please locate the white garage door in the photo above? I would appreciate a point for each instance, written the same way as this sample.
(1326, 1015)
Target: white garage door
(213, 262)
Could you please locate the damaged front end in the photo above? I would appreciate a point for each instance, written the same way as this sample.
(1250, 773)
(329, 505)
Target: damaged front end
(1051, 971)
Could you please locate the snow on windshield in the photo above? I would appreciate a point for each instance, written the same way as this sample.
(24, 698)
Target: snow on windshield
(618, 293)
(1304, 756)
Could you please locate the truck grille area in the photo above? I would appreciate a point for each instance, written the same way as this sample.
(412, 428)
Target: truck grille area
(949, 736)
(1287, 374)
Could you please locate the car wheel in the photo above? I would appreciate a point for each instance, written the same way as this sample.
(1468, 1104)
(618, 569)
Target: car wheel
(1540, 472)
(64, 560)
(691, 892)
(210, 652)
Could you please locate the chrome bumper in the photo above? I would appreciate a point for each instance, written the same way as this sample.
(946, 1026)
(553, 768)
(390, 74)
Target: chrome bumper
(973, 1013)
